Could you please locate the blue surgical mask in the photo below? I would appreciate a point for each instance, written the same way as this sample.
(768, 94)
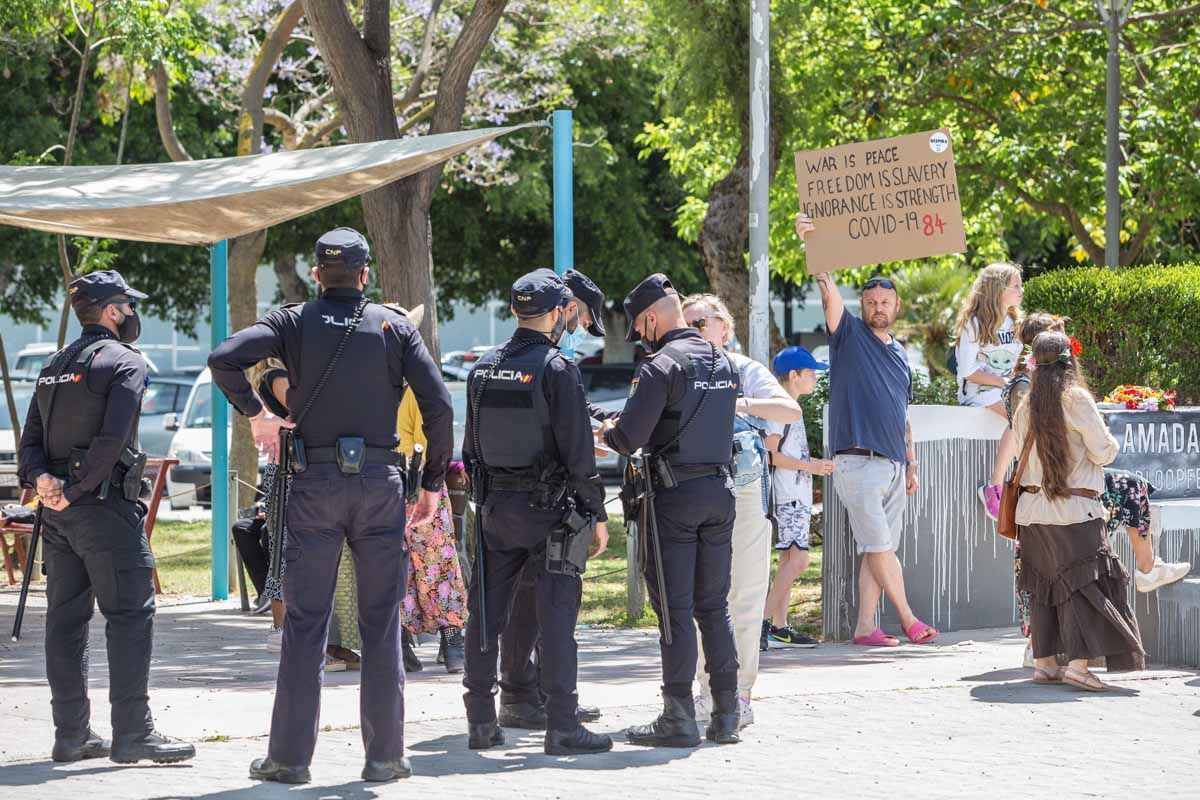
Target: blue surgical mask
(570, 339)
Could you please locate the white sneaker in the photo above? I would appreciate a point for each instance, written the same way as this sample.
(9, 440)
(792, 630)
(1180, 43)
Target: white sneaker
(1161, 574)
(745, 712)
(275, 640)
(703, 707)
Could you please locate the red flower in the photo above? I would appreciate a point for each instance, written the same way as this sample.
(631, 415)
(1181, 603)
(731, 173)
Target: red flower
(1076, 347)
(1132, 405)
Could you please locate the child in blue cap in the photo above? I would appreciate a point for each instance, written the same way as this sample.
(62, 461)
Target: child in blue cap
(792, 496)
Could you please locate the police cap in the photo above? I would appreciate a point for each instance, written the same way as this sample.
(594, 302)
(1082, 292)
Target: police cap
(103, 286)
(644, 295)
(343, 247)
(538, 292)
(590, 295)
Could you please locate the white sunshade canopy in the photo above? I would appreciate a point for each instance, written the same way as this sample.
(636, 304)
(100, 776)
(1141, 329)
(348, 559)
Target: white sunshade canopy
(201, 202)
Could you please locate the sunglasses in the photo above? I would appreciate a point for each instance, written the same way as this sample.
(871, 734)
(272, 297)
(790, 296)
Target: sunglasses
(886, 283)
(131, 303)
(699, 324)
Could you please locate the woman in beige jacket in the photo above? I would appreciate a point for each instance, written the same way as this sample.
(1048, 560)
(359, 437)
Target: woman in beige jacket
(1078, 585)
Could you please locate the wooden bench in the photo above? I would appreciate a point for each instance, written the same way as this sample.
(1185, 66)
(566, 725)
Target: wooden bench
(156, 471)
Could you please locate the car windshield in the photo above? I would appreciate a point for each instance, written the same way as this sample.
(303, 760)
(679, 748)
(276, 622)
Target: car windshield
(610, 382)
(200, 414)
(22, 396)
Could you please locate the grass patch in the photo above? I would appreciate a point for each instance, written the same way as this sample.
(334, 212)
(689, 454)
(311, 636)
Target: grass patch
(184, 552)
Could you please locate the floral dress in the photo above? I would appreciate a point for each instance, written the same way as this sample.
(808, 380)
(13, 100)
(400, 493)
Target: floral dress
(274, 587)
(436, 597)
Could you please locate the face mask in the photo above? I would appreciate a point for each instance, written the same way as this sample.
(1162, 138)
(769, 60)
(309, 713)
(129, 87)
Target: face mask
(129, 328)
(651, 342)
(571, 339)
(573, 323)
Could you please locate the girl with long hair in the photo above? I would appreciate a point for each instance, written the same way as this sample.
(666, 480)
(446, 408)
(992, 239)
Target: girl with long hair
(988, 352)
(1077, 585)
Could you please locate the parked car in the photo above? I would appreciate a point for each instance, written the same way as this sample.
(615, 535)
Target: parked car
(165, 394)
(10, 487)
(456, 364)
(607, 385)
(188, 483)
(32, 358)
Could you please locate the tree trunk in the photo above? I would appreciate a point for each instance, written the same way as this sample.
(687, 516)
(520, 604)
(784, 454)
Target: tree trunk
(725, 235)
(400, 228)
(291, 286)
(616, 349)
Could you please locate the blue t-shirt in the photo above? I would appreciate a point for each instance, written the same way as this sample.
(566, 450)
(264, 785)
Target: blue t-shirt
(870, 387)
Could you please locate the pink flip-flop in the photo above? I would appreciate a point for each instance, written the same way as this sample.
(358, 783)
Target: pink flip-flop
(877, 638)
(920, 633)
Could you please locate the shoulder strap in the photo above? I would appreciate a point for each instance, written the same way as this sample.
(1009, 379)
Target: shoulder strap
(351, 326)
(1025, 451)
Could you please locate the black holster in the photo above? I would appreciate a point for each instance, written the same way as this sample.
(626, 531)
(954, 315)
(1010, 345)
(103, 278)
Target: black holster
(568, 544)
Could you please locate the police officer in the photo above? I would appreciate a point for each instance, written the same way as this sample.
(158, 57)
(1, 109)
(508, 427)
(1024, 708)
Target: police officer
(529, 446)
(680, 414)
(79, 450)
(349, 361)
(522, 703)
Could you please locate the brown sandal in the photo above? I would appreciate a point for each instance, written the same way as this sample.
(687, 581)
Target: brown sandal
(1044, 677)
(1085, 681)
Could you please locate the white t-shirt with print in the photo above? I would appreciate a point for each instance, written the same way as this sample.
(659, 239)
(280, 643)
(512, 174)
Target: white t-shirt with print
(791, 485)
(995, 359)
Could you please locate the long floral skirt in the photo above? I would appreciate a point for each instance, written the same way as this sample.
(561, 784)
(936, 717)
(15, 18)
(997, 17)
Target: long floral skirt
(436, 595)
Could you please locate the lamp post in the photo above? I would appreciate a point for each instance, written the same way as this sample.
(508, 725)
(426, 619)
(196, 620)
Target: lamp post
(1113, 13)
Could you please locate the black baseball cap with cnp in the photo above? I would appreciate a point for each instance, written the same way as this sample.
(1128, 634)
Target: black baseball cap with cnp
(343, 247)
(538, 292)
(644, 295)
(590, 295)
(104, 286)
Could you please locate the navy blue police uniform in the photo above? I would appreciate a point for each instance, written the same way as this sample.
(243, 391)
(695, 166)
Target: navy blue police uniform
(529, 443)
(344, 494)
(82, 429)
(681, 410)
(522, 702)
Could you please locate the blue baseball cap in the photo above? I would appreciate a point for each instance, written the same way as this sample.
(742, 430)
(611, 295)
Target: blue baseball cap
(791, 358)
(343, 247)
(538, 292)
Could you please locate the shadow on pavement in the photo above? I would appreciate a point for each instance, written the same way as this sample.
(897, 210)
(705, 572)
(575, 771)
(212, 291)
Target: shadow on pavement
(1030, 693)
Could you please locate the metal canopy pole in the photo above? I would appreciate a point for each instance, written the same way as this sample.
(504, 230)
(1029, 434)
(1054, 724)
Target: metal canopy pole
(219, 270)
(760, 178)
(564, 201)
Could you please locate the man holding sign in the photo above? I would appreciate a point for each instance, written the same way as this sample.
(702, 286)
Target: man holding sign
(870, 387)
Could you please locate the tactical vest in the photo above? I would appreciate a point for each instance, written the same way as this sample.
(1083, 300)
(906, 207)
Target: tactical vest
(359, 399)
(78, 412)
(512, 416)
(708, 437)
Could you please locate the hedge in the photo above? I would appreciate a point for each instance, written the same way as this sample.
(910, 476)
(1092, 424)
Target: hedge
(1138, 325)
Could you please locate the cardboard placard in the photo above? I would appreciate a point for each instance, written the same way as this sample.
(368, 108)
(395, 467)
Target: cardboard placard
(886, 200)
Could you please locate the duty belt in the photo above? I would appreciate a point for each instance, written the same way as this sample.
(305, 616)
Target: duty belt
(375, 455)
(512, 483)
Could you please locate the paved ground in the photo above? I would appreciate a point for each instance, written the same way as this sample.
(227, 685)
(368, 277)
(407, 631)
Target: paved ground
(953, 720)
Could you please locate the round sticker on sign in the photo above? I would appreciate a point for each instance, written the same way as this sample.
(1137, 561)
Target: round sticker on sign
(938, 142)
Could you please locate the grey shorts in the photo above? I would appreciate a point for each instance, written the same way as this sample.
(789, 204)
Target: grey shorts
(872, 490)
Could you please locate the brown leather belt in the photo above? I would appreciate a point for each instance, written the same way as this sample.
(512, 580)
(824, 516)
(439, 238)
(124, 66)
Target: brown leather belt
(1091, 494)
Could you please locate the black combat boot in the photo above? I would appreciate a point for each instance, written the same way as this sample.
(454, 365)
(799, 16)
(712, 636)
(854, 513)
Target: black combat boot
(675, 726)
(90, 746)
(578, 742)
(453, 649)
(152, 746)
(266, 769)
(484, 735)
(723, 724)
(526, 716)
(379, 771)
(411, 662)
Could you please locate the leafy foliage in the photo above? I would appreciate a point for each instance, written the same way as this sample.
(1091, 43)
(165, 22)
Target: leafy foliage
(1136, 325)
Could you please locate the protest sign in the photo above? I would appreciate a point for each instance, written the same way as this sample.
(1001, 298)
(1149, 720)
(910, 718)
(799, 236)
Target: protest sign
(886, 200)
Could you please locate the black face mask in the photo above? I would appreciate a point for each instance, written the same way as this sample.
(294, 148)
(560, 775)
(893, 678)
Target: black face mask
(129, 328)
(652, 343)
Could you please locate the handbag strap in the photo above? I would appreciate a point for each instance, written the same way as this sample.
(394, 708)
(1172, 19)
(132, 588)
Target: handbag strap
(1016, 478)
